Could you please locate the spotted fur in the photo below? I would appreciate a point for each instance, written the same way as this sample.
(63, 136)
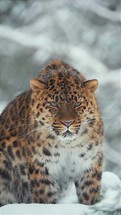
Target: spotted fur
(50, 136)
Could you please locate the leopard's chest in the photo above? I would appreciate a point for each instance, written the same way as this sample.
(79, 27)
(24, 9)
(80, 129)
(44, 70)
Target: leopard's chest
(67, 164)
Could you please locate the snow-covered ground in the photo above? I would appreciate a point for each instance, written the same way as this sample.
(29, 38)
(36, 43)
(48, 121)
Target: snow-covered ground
(110, 203)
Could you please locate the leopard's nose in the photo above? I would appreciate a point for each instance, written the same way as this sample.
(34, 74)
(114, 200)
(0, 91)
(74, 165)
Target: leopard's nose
(67, 123)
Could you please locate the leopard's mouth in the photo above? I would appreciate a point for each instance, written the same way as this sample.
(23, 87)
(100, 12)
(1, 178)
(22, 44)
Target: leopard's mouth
(67, 134)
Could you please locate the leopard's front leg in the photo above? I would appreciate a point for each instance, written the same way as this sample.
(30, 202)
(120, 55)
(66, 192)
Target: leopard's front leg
(43, 188)
(88, 186)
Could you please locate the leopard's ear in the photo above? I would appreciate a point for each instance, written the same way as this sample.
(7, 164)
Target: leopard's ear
(36, 84)
(91, 85)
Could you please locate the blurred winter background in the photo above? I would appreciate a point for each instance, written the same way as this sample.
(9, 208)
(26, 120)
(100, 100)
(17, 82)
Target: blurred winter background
(86, 34)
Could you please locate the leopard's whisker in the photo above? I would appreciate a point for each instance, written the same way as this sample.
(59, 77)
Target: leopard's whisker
(34, 130)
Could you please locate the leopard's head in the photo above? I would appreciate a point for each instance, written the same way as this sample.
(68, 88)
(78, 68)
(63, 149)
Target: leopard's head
(63, 101)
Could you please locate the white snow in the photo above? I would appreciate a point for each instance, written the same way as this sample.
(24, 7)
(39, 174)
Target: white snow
(109, 205)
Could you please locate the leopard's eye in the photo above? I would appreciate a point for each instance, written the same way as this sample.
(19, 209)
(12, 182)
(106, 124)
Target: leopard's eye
(78, 104)
(53, 104)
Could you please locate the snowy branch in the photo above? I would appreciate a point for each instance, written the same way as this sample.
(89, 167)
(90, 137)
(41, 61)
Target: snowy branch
(41, 43)
(99, 10)
(23, 39)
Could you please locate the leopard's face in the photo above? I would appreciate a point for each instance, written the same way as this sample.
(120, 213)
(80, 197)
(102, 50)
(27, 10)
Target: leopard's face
(64, 105)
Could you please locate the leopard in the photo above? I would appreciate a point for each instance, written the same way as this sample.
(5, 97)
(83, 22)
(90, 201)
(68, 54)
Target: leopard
(51, 136)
